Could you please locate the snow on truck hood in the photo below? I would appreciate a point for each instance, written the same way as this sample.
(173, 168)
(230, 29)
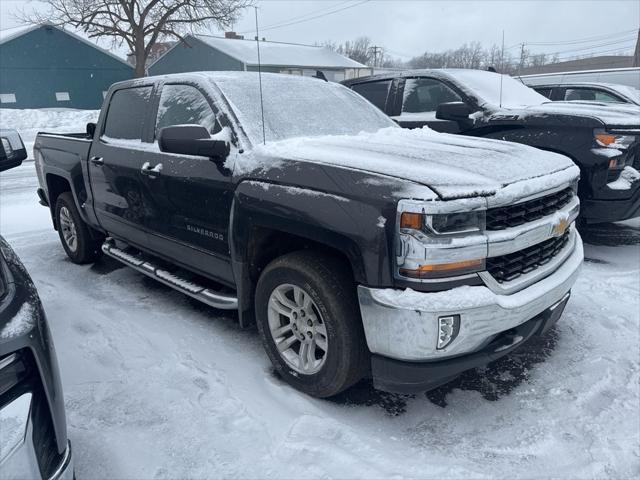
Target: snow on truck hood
(453, 166)
(610, 114)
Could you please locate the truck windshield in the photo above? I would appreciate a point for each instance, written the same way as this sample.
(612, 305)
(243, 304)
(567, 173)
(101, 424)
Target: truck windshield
(486, 87)
(630, 92)
(297, 107)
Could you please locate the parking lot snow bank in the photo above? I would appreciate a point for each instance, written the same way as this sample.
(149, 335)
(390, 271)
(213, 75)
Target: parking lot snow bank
(29, 122)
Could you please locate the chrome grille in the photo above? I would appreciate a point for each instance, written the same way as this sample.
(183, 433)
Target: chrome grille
(509, 267)
(501, 218)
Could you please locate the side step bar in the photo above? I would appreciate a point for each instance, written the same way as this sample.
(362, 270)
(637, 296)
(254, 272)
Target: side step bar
(143, 264)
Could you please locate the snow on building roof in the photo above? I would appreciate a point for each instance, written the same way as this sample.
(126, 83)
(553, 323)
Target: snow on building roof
(15, 32)
(279, 54)
(7, 34)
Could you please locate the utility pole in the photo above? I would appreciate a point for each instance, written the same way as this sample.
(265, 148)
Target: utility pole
(375, 49)
(636, 55)
(521, 64)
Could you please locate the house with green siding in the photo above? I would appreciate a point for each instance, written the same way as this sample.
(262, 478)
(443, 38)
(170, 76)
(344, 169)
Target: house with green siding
(45, 66)
(206, 53)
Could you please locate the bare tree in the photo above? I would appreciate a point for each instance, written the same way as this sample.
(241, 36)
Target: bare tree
(138, 23)
(359, 49)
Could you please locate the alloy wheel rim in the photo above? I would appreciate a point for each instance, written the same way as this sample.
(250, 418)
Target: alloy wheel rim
(298, 329)
(68, 227)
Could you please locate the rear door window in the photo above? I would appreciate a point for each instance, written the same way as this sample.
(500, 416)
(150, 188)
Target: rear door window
(185, 105)
(127, 112)
(591, 94)
(375, 92)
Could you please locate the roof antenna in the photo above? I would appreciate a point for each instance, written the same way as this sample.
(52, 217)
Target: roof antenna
(501, 68)
(264, 137)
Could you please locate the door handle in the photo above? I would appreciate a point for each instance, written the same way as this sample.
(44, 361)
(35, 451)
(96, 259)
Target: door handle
(149, 171)
(97, 160)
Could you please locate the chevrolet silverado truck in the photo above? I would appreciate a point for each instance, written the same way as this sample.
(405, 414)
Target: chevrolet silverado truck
(602, 139)
(359, 248)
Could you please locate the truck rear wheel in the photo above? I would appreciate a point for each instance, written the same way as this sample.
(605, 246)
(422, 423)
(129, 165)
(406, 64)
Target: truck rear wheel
(309, 322)
(74, 234)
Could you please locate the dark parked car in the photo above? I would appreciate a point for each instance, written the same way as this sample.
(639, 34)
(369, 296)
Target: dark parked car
(33, 432)
(603, 140)
(12, 151)
(589, 92)
(343, 235)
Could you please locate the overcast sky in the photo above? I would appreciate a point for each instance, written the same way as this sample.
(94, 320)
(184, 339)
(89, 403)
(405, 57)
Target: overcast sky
(407, 28)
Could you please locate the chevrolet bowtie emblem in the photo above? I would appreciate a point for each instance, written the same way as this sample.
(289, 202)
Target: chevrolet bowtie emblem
(559, 228)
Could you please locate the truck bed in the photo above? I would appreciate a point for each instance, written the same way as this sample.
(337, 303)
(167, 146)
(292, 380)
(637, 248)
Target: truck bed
(65, 155)
(61, 149)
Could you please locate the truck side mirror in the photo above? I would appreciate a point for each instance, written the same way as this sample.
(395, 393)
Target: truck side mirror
(455, 111)
(12, 151)
(192, 140)
(91, 129)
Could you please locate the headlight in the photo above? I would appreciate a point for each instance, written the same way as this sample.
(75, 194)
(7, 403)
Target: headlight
(12, 371)
(7, 146)
(435, 245)
(443, 270)
(445, 224)
(613, 140)
(619, 144)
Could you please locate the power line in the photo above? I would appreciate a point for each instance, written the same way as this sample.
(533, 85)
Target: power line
(618, 42)
(287, 23)
(582, 40)
(323, 9)
(594, 54)
(399, 54)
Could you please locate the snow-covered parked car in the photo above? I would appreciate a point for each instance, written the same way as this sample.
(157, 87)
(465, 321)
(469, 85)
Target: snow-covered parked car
(33, 431)
(359, 248)
(603, 139)
(588, 92)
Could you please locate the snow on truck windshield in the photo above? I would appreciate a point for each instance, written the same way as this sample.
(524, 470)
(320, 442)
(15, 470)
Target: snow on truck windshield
(298, 107)
(486, 87)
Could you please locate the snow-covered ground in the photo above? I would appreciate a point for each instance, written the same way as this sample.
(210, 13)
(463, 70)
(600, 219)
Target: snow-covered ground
(53, 120)
(159, 386)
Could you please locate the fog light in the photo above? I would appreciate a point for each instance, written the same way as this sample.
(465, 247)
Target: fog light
(448, 328)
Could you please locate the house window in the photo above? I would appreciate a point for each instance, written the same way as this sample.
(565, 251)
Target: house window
(7, 98)
(62, 96)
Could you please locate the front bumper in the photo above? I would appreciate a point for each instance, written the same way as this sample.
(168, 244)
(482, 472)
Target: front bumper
(611, 210)
(402, 325)
(410, 377)
(18, 454)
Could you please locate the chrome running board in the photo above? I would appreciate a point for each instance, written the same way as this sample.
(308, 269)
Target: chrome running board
(144, 264)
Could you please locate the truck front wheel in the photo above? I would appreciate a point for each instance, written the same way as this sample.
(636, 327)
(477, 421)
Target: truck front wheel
(75, 236)
(309, 321)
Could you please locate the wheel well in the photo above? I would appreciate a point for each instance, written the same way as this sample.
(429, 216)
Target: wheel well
(56, 186)
(267, 244)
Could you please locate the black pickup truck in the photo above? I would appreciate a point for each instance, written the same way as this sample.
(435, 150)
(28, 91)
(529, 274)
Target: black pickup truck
(602, 139)
(359, 248)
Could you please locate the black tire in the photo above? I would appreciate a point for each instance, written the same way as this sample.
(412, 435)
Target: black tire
(327, 280)
(86, 248)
